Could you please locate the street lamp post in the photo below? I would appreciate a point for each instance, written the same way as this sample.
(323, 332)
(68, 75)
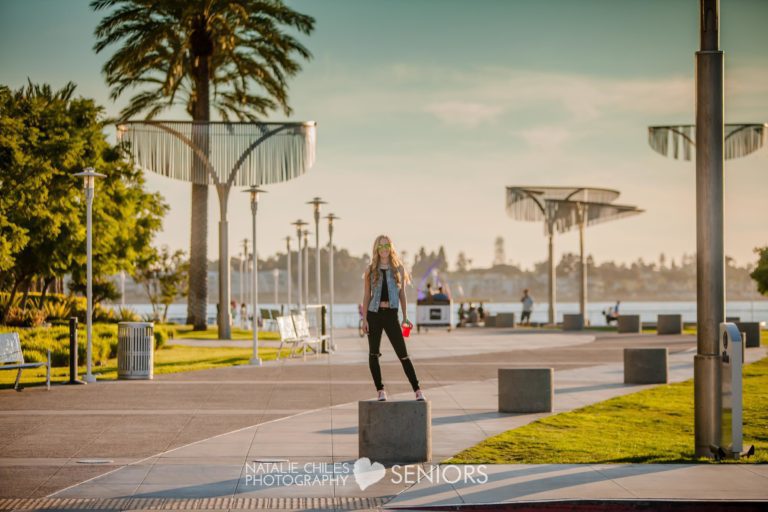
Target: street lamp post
(331, 217)
(254, 192)
(89, 181)
(299, 224)
(244, 288)
(276, 275)
(710, 297)
(242, 274)
(306, 266)
(317, 202)
(122, 288)
(288, 270)
(552, 308)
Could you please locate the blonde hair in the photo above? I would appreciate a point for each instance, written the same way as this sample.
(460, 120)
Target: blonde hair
(394, 262)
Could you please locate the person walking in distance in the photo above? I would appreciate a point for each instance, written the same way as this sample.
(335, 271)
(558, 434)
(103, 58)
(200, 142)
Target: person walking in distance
(527, 301)
(384, 291)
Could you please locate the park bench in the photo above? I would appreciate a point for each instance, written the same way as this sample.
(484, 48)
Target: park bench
(287, 334)
(308, 341)
(12, 358)
(269, 319)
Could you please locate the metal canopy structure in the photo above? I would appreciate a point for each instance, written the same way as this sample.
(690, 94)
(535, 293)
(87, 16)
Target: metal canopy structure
(224, 154)
(563, 209)
(679, 142)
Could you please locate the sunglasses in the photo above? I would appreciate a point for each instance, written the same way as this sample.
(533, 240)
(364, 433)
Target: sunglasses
(384, 246)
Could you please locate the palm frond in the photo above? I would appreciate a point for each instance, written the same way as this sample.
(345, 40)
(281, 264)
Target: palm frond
(253, 56)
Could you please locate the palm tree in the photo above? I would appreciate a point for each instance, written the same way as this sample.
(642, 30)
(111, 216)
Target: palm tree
(233, 55)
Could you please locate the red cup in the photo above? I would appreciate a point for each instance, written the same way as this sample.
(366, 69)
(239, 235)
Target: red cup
(406, 330)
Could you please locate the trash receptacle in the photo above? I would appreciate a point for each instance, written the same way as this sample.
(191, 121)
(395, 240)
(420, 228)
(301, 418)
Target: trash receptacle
(135, 350)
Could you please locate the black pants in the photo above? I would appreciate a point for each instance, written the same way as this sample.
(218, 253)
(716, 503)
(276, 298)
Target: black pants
(385, 319)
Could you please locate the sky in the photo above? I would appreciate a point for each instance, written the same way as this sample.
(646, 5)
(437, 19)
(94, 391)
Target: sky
(428, 109)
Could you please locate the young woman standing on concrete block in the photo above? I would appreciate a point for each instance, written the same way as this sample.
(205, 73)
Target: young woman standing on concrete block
(384, 291)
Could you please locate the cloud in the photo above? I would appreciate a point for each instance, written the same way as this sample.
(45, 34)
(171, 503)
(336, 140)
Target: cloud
(546, 137)
(465, 113)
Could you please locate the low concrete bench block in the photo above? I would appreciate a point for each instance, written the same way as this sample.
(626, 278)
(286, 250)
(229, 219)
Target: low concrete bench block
(526, 390)
(393, 432)
(669, 324)
(629, 323)
(752, 330)
(645, 366)
(573, 322)
(505, 320)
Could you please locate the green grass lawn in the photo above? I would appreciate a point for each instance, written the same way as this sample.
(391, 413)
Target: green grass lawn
(655, 425)
(168, 359)
(186, 332)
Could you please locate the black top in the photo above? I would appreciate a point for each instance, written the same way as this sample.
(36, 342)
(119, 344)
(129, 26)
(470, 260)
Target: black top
(384, 286)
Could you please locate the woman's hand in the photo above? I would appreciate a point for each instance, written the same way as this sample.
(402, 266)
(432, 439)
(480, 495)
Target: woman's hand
(407, 322)
(365, 325)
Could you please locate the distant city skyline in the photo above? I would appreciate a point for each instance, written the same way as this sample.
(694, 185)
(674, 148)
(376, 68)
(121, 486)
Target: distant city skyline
(427, 110)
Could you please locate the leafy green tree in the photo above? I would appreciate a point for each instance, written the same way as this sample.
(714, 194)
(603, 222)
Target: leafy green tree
(760, 273)
(232, 55)
(164, 277)
(45, 137)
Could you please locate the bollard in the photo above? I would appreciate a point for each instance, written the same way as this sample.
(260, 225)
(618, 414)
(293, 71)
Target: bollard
(73, 352)
(322, 330)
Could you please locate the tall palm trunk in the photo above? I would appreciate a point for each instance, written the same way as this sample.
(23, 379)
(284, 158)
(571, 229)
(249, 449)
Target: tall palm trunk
(197, 301)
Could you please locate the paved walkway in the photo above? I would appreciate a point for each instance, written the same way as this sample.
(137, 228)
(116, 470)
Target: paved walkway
(296, 416)
(267, 460)
(525, 483)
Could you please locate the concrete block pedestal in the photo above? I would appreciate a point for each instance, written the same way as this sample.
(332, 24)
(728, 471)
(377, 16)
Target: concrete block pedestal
(395, 432)
(505, 320)
(669, 324)
(573, 322)
(526, 390)
(629, 323)
(752, 330)
(645, 366)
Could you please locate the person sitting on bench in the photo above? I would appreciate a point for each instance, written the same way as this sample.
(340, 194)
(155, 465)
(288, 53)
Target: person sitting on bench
(612, 314)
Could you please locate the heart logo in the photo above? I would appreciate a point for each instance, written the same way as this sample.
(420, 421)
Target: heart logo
(367, 474)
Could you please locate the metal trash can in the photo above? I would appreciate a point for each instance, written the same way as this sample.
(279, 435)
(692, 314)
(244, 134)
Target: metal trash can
(135, 350)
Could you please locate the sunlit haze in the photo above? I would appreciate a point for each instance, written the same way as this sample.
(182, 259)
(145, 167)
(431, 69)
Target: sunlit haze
(427, 110)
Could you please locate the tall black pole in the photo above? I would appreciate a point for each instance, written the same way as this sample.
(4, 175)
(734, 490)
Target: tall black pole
(710, 275)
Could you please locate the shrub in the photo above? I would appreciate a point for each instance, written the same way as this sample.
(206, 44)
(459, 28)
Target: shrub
(60, 310)
(30, 317)
(161, 337)
(127, 315)
(103, 315)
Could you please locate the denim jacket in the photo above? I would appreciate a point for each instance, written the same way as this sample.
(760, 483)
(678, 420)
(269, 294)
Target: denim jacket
(394, 291)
